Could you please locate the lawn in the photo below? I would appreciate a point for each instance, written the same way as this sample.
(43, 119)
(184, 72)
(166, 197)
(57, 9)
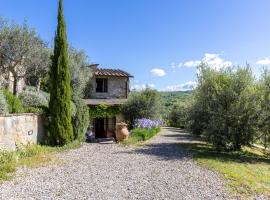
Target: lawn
(30, 156)
(140, 135)
(247, 171)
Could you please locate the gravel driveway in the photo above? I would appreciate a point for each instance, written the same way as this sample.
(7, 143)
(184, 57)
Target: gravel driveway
(158, 170)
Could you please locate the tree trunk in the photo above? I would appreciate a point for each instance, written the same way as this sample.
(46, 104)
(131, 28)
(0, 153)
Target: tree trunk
(15, 85)
(38, 84)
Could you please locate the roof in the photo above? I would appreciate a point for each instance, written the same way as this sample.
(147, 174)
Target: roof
(111, 72)
(95, 102)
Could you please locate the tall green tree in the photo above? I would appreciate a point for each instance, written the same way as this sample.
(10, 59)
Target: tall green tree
(226, 107)
(61, 131)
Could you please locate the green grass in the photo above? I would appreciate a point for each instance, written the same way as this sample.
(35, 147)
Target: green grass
(140, 135)
(247, 171)
(30, 156)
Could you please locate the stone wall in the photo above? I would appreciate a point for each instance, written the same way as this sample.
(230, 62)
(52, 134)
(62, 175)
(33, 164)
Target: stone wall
(21, 129)
(118, 88)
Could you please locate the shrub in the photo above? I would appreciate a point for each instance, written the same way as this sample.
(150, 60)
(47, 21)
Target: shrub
(3, 104)
(144, 134)
(80, 120)
(14, 103)
(178, 116)
(145, 104)
(33, 101)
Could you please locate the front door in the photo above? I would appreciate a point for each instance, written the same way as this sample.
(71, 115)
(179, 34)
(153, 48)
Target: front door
(99, 128)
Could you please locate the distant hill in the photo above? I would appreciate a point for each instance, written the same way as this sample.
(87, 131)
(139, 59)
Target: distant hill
(168, 99)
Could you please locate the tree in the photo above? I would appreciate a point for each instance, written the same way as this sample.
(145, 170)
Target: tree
(264, 118)
(144, 104)
(39, 66)
(60, 110)
(226, 107)
(80, 72)
(178, 116)
(18, 44)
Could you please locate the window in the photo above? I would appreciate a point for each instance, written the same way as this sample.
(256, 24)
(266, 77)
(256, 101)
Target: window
(102, 85)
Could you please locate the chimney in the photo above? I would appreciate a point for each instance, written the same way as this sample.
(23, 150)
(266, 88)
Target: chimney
(93, 66)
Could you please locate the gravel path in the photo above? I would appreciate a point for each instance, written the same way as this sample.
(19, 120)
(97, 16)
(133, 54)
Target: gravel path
(158, 170)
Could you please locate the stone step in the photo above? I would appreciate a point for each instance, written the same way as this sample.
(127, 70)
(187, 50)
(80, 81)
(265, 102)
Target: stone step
(110, 140)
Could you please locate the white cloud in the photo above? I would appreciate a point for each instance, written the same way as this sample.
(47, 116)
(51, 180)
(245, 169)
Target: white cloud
(158, 72)
(190, 85)
(139, 87)
(213, 60)
(264, 61)
(192, 63)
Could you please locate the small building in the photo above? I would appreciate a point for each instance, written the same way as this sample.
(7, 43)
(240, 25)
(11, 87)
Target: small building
(110, 87)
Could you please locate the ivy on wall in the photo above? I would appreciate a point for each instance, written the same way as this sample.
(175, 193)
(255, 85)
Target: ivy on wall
(103, 111)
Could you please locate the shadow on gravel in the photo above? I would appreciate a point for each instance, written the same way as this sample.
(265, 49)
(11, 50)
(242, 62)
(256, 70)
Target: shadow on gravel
(163, 151)
(166, 151)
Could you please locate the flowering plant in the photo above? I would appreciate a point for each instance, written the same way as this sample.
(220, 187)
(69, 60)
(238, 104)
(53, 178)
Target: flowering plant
(148, 123)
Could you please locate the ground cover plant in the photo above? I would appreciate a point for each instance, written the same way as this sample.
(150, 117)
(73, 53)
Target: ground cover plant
(247, 170)
(30, 156)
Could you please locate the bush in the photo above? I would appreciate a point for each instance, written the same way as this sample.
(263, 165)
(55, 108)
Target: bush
(80, 120)
(145, 104)
(3, 104)
(143, 134)
(178, 116)
(227, 103)
(33, 101)
(14, 103)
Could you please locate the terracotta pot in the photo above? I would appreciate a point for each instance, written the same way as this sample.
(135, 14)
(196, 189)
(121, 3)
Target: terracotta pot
(121, 131)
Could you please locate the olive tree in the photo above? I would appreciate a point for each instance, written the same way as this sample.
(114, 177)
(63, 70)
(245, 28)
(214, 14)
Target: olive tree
(264, 119)
(19, 46)
(227, 103)
(80, 72)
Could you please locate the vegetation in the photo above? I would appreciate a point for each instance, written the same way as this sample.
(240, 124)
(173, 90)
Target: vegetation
(14, 103)
(20, 47)
(170, 99)
(139, 135)
(3, 104)
(61, 131)
(80, 73)
(178, 116)
(264, 110)
(80, 120)
(30, 156)
(145, 104)
(247, 169)
(103, 111)
(33, 101)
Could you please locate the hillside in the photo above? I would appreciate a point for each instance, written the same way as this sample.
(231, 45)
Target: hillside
(168, 99)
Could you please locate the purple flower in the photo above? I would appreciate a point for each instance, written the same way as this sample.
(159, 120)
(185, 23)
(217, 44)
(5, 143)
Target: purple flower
(148, 123)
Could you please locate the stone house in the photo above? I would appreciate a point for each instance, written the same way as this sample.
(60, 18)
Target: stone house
(109, 87)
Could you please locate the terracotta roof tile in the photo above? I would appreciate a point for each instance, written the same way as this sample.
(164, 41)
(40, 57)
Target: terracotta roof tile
(112, 72)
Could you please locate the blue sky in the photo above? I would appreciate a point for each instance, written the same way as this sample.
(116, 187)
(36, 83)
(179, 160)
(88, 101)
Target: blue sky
(158, 41)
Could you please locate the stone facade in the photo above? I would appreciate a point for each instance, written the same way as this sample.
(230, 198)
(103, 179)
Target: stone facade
(20, 129)
(118, 88)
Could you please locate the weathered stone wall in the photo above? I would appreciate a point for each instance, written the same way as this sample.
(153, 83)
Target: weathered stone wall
(117, 88)
(21, 129)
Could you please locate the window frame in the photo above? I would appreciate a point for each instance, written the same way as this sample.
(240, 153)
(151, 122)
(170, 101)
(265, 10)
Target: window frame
(104, 85)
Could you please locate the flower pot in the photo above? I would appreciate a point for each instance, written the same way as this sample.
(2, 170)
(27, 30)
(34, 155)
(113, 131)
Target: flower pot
(121, 131)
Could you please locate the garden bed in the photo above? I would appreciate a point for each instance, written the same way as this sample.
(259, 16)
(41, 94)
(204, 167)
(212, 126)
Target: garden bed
(140, 135)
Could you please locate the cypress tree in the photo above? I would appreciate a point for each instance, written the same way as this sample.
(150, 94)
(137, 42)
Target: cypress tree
(61, 131)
